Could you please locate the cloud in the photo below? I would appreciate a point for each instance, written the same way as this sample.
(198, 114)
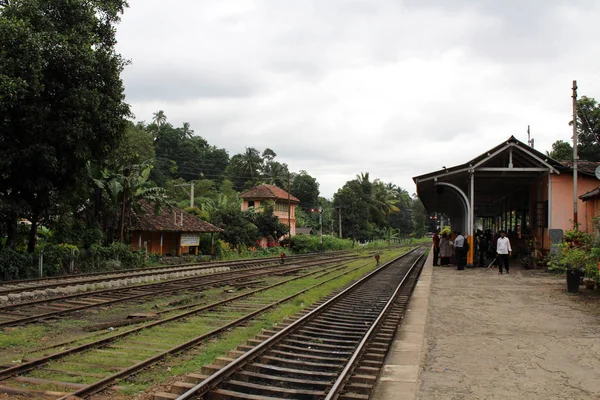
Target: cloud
(340, 87)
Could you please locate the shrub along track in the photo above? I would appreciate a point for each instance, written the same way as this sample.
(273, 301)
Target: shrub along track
(333, 351)
(151, 341)
(33, 311)
(16, 287)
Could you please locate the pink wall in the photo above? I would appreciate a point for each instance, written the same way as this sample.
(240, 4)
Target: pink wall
(282, 215)
(562, 201)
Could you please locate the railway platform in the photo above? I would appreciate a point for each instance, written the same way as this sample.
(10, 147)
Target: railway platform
(476, 334)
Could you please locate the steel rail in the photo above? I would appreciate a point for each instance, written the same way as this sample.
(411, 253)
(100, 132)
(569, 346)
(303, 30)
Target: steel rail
(341, 380)
(204, 281)
(108, 381)
(207, 384)
(24, 367)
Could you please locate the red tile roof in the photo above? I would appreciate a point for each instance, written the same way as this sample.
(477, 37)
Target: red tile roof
(265, 191)
(585, 167)
(168, 220)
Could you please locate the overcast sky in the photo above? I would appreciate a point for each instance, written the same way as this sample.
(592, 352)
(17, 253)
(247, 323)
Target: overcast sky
(338, 87)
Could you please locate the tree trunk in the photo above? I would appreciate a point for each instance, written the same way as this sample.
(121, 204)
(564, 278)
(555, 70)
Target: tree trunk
(32, 234)
(11, 230)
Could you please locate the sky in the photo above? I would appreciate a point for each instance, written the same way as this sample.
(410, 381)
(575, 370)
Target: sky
(396, 88)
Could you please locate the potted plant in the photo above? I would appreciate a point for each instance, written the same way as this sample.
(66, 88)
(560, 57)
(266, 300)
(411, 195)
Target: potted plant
(576, 261)
(592, 268)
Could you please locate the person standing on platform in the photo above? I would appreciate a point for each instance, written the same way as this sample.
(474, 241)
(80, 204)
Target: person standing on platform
(459, 242)
(445, 250)
(482, 246)
(436, 248)
(503, 252)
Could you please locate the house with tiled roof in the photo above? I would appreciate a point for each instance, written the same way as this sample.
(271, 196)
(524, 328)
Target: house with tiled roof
(285, 203)
(170, 231)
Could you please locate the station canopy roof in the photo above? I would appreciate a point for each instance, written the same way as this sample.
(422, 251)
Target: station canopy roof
(503, 174)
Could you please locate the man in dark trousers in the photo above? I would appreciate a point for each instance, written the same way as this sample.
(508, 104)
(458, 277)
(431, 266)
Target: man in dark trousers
(503, 252)
(436, 248)
(459, 242)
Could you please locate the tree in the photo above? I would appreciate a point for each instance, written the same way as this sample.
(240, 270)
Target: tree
(420, 217)
(355, 210)
(61, 99)
(588, 129)
(561, 151)
(244, 169)
(239, 230)
(306, 189)
(268, 224)
(268, 154)
(159, 118)
(251, 162)
(187, 131)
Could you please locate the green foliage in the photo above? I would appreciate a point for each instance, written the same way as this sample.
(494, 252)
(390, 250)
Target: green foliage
(588, 129)
(15, 265)
(301, 244)
(268, 224)
(568, 256)
(369, 208)
(57, 258)
(577, 238)
(561, 151)
(105, 258)
(61, 100)
(239, 229)
(306, 189)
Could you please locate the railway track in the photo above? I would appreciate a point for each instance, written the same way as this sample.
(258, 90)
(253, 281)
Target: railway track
(32, 285)
(333, 351)
(214, 318)
(38, 310)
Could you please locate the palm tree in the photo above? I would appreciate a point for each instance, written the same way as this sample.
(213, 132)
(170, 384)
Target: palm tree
(159, 118)
(187, 132)
(251, 161)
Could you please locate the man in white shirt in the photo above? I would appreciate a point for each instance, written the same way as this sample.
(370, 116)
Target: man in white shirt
(503, 251)
(459, 242)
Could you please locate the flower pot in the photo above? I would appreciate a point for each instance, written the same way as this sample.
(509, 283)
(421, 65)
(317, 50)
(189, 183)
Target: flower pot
(573, 280)
(590, 285)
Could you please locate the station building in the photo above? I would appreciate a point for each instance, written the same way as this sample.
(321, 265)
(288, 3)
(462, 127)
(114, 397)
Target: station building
(512, 187)
(170, 231)
(285, 204)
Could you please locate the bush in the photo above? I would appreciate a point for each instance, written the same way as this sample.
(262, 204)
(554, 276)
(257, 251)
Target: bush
(15, 265)
(115, 256)
(301, 244)
(57, 258)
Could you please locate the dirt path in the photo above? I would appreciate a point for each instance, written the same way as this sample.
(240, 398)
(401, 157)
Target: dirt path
(517, 336)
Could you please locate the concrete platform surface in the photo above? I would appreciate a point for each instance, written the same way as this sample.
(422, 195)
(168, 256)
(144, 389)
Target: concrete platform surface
(517, 336)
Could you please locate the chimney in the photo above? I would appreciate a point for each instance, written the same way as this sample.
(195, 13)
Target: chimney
(182, 218)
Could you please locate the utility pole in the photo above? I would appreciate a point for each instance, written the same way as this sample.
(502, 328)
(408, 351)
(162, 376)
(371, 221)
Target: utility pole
(575, 157)
(340, 220)
(289, 206)
(321, 227)
(191, 192)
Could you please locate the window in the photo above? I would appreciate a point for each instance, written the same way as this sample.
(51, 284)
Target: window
(250, 203)
(541, 214)
(282, 207)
